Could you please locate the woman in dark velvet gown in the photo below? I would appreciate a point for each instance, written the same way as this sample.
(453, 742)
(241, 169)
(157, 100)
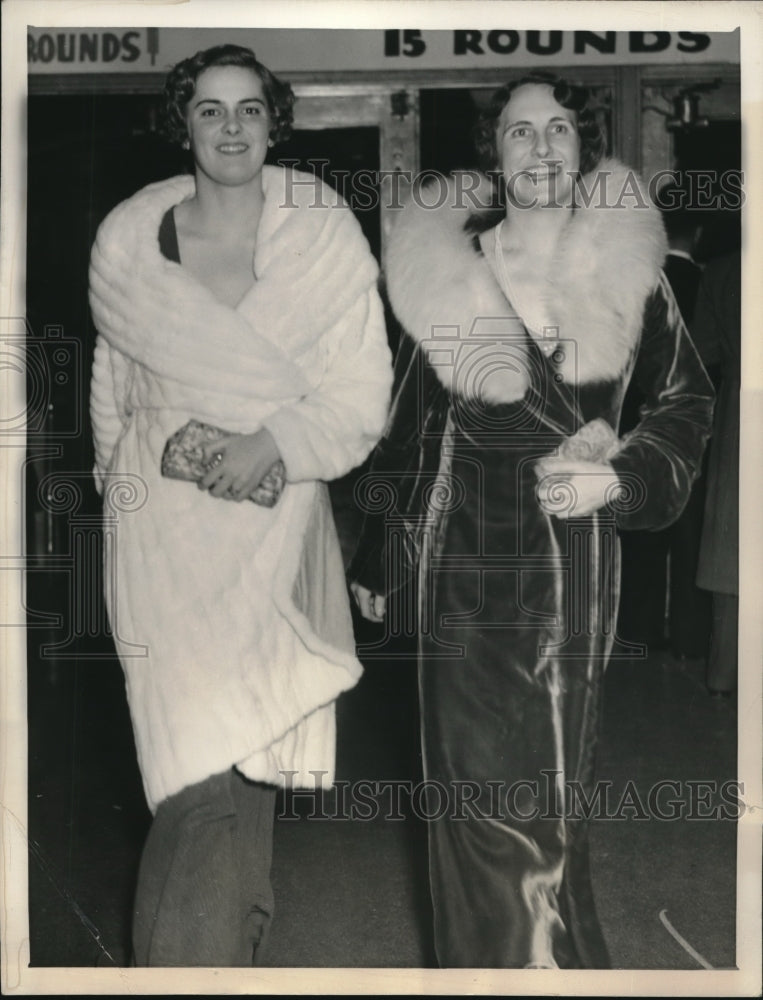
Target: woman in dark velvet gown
(502, 481)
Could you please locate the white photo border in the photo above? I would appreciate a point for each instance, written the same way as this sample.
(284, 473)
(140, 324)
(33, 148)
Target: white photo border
(17, 976)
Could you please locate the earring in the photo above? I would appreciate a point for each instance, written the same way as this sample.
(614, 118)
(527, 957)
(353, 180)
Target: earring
(186, 143)
(270, 142)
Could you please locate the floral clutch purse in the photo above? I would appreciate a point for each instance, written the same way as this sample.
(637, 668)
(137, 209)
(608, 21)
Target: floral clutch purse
(183, 458)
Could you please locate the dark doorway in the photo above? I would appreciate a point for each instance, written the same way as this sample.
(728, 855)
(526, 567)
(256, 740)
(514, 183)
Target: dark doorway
(87, 816)
(447, 120)
(709, 158)
(347, 159)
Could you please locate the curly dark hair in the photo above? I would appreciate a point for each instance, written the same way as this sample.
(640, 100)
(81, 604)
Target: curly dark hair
(570, 96)
(180, 86)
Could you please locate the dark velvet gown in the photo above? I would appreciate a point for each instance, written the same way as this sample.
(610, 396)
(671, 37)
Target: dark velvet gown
(517, 612)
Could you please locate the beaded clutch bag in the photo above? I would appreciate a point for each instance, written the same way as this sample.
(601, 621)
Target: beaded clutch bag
(183, 458)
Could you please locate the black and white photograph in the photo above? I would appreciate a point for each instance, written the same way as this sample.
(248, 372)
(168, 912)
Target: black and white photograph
(380, 438)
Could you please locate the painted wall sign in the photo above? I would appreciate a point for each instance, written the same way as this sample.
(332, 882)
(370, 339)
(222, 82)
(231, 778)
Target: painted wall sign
(90, 50)
(133, 50)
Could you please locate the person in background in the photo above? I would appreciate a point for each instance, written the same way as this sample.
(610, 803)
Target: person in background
(243, 297)
(502, 470)
(717, 331)
(683, 227)
(659, 568)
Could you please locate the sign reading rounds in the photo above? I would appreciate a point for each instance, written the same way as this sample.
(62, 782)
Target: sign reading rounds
(154, 50)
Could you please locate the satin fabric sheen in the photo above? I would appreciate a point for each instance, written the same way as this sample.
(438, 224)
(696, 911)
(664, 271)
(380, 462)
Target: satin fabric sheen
(517, 624)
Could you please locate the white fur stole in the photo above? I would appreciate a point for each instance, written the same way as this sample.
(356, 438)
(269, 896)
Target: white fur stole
(606, 264)
(311, 263)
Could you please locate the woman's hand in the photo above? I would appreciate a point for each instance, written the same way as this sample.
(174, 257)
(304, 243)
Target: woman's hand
(238, 464)
(569, 487)
(372, 606)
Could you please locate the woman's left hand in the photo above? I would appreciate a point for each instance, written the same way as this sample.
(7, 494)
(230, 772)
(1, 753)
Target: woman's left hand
(238, 464)
(569, 487)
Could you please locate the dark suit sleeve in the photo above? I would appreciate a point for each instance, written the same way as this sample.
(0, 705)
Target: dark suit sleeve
(715, 306)
(661, 456)
(406, 459)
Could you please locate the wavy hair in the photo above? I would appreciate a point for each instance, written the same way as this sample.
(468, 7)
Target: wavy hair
(570, 96)
(180, 87)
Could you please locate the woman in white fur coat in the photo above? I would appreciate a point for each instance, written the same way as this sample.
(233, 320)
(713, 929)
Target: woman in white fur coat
(244, 297)
(501, 460)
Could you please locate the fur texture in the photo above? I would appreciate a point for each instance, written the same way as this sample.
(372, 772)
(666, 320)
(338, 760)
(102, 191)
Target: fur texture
(232, 620)
(311, 265)
(607, 262)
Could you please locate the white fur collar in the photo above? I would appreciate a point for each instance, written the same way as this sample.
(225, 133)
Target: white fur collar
(445, 294)
(312, 265)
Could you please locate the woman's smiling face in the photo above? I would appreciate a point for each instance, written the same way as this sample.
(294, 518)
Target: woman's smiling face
(228, 124)
(539, 147)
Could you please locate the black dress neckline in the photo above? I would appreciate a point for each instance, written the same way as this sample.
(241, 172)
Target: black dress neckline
(168, 236)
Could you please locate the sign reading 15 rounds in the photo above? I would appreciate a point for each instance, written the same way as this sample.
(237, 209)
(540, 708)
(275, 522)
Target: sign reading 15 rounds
(414, 43)
(154, 50)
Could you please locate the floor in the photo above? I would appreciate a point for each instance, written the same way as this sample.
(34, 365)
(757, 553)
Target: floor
(353, 892)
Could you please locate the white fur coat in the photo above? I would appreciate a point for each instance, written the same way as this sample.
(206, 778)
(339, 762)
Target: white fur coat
(232, 620)
(448, 297)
